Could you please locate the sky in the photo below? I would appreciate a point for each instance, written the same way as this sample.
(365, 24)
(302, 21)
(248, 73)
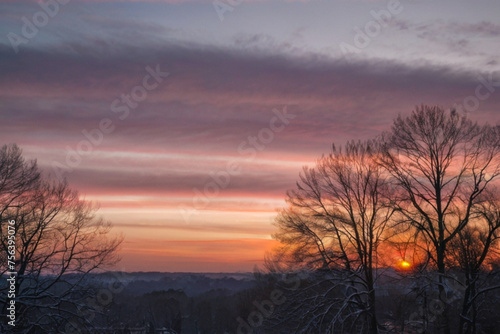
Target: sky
(187, 121)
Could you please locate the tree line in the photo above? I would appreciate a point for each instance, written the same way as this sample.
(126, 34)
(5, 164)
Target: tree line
(422, 197)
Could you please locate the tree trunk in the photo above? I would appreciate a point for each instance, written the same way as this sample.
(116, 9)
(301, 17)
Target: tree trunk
(371, 300)
(442, 291)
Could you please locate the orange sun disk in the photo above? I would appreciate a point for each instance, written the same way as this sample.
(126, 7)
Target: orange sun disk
(404, 264)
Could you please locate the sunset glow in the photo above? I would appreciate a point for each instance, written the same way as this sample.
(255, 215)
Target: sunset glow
(403, 265)
(193, 173)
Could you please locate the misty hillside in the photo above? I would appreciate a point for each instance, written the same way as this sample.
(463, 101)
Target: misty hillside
(192, 284)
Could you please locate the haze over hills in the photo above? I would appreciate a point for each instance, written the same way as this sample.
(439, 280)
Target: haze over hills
(217, 302)
(192, 284)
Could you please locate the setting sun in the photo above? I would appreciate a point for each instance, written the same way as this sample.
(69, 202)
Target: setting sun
(404, 264)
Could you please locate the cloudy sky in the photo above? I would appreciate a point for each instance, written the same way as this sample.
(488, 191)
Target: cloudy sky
(188, 120)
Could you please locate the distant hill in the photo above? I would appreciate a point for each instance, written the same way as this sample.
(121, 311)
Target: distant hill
(193, 284)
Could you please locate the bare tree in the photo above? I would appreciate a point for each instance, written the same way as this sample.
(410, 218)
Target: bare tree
(475, 248)
(335, 222)
(58, 240)
(442, 162)
(16, 176)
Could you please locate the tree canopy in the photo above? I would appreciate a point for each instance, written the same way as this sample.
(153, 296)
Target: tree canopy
(57, 235)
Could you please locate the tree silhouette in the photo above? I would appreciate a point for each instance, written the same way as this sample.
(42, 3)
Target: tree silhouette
(473, 251)
(442, 162)
(336, 220)
(57, 235)
(431, 184)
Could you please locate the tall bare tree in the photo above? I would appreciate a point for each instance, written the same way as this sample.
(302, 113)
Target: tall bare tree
(442, 162)
(56, 235)
(336, 220)
(473, 252)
